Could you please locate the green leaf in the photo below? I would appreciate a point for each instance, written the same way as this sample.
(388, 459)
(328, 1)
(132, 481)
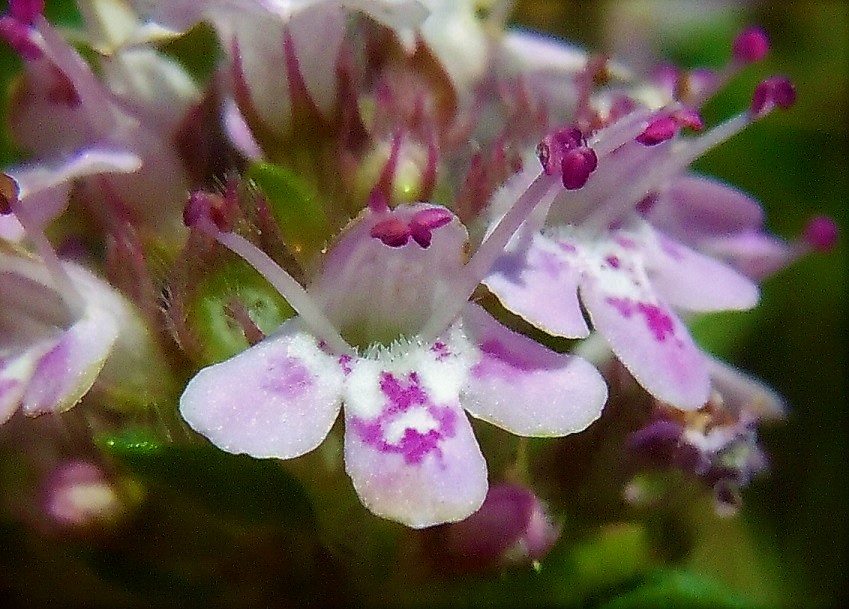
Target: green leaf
(669, 589)
(237, 487)
(296, 207)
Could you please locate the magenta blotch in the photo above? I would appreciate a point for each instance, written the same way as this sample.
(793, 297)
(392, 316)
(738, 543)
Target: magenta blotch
(414, 445)
(657, 320)
(288, 378)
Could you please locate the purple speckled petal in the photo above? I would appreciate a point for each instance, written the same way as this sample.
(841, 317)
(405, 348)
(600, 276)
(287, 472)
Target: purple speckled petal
(525, 388)
(652, 342)
(67, 371)
(695, 282)
(409, 448)
(421, 467)
(277, 399)
(540, 284)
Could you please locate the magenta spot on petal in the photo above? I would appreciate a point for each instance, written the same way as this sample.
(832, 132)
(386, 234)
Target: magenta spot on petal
(287, 377)
(441, 350)
(567, 247)
(625, 306)
(647, 203)
(657, 320)
(345, 363)
(613, 261)
(821, 233)
(750, 45)
(402, 397)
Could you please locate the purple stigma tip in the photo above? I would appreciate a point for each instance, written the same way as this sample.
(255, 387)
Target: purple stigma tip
(566, 151)
(774, 91)
(821, 233)
(659, 130)
(392, 232)
(751, 45)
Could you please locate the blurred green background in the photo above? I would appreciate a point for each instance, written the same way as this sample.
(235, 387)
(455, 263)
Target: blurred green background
(797, 164)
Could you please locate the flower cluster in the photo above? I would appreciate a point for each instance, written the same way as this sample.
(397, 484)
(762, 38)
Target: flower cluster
(411, 179)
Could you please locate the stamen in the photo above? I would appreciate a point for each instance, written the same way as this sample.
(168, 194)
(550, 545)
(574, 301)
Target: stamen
(772, 92)
(821, 234)
(665, 127)
(424, 222)
(492, 247)
(392, 232)
(750, 45)
(576, 166)
(566, 151)
(199, 215)
(659, 130)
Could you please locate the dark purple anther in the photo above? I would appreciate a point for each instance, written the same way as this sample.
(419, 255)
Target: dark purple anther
(774, 91)
(392, 232)
(424, 222)
(576, 166)
(659, 130)
(821, 233)
(751, 45)
(551, 149)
